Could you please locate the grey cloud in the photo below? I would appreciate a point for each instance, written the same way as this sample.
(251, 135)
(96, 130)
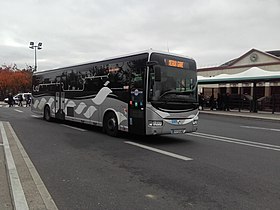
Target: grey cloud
(73, 32)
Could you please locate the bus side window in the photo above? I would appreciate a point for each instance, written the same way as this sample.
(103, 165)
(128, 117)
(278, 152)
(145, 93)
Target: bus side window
(137, 68)
(118, 75)
(93, 84)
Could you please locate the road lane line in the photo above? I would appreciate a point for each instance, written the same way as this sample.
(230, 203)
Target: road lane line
(237, 141)
(36, 116)
(259, 128)
(18, 110)
(240, 140)
(159, 151)
(16, 187)
(68, 126)
(45, 195)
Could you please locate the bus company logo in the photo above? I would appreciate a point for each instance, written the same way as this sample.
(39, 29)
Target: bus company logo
(177, 122)
(136, 92)
(180, 122)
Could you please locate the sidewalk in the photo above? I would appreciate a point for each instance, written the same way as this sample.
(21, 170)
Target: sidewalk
(5, 196)
(245, 114)
(21, 185)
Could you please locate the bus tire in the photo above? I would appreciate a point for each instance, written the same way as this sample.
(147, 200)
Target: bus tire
(47, 113)
(111, 124)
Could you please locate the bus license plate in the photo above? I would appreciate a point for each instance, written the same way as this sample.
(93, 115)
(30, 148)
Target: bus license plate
(178, 131)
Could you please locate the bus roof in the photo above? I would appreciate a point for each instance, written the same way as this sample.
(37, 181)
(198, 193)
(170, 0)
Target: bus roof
(149, 51)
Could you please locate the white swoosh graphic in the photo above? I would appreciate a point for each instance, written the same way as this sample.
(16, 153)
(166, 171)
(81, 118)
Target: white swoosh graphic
(51, 100)
(42, 103)
(80, 108)
(71, 104)
(36, 104)
(90, 111)
(101, 95)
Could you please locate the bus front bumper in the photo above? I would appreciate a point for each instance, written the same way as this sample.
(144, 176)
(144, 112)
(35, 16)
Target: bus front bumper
(172, 126)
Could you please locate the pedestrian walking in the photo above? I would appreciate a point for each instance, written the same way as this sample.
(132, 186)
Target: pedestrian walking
(201, 101)
(10, 100)
(227, 101)
(219, 102)
(28, 100)
(20, 99)
(212, 102)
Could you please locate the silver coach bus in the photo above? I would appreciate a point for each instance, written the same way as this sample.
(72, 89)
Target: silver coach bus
(145, 93)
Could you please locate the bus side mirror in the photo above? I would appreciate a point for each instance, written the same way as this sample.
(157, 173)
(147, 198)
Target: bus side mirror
(157, 74)
(151, 63)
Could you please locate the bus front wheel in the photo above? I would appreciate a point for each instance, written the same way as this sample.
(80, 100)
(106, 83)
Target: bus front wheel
(111, 124)
(47, 113)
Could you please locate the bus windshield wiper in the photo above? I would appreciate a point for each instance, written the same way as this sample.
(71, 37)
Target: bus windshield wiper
(186, 92)
(166, 93)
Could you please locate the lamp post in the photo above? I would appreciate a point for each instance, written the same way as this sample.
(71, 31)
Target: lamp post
(35, 47)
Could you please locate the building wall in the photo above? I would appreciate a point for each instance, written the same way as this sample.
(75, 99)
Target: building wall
(253, 58)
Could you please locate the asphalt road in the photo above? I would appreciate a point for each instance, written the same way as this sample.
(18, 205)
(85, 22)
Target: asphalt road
(230, 163)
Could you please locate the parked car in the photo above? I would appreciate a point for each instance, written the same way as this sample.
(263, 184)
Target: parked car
(269, 103)
(16, 97)
(242, 101)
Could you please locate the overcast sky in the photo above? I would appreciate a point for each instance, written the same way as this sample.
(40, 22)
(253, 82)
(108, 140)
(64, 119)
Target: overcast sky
(77, 31)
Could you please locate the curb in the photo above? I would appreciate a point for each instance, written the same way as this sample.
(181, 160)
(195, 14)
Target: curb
(273, 117)
(26, 189)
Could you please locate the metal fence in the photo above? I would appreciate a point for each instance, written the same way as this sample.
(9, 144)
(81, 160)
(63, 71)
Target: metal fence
(270, 104)
(241, 102)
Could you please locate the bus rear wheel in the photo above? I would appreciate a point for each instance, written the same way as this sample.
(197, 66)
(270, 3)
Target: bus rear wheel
(111, 124)
(47, 113)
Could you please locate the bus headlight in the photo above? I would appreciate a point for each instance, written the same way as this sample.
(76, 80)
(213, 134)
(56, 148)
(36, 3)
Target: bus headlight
(155, 123)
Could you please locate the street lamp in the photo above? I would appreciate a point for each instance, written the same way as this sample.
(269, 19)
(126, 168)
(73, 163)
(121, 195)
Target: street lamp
(35, 47)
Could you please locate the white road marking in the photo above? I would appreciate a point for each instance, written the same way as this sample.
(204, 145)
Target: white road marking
(260, 128)
(18, 110)
(49, 202)
(68, 126)
(159, 151)
(237, 141)
(150, 196)
(16, 187)
(36, 116)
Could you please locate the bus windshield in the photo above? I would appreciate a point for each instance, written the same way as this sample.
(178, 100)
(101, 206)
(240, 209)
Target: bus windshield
(174, 84)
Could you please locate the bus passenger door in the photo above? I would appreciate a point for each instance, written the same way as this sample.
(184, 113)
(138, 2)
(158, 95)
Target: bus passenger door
(136, 110)
(59, 105)
(60, 102)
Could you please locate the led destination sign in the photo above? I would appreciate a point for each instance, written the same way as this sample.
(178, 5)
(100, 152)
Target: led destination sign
(174, 63)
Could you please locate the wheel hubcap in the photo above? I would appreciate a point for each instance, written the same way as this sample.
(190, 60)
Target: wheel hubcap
(111, 124)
